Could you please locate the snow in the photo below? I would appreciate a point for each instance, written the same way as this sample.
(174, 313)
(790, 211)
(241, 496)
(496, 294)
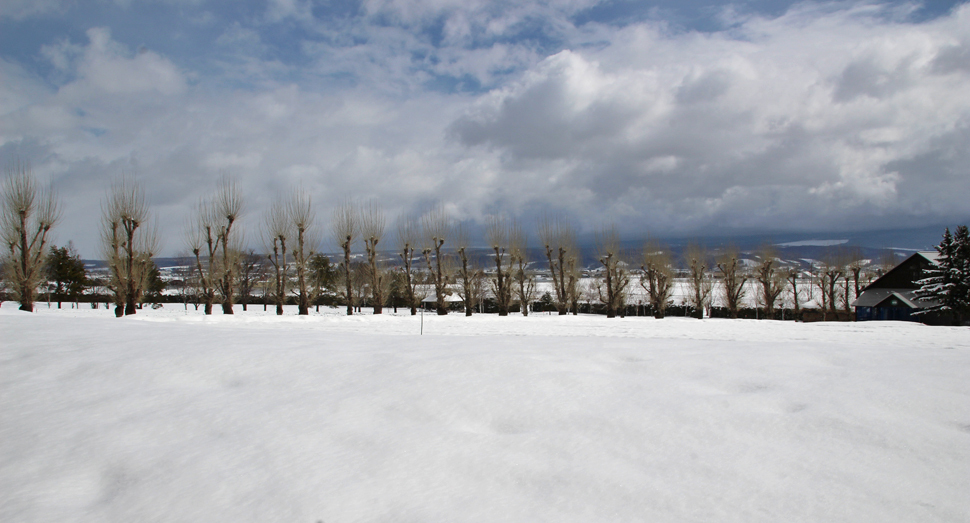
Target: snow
(173, 416)
(813, 243)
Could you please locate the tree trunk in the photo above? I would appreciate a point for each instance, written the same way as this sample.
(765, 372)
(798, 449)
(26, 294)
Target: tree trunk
(26, 298)
(304, 306)
(350, 290)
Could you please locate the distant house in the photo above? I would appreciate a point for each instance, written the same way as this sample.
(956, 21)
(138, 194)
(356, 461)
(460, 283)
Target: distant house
(893, 296)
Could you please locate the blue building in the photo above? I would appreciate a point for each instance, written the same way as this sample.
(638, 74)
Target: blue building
(893, 295)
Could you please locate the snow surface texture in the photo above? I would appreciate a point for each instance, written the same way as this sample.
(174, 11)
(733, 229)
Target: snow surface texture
(172, 416)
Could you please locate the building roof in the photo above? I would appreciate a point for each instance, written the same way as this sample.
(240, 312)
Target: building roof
(875, 297)
(906, 273)
(899, 283)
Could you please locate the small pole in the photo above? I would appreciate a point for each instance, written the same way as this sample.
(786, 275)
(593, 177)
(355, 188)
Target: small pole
(422, 321)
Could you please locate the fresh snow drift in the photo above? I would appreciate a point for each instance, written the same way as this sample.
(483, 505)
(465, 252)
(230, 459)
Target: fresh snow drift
(172, 416)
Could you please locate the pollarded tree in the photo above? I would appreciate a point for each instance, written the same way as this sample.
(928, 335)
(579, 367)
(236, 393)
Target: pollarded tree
(699, 284)
(559, 242)
(407, 239)
(467, 272)
(657, 277)
(498, 237)
(612, 291)
(859, 272)
(215, 229)
(770, 279)
(437, 229)
(828, 274)
(525, 283)
(372, 223)
(306, 239)
(200, 236)
(574, 276)
(733, 278)
(227, 207)
(276, 233)
(345, 227)
(27, 214)
(128, 244)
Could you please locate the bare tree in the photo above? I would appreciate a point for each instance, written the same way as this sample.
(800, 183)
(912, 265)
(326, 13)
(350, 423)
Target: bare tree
(559, 242)
(862, 276)
(28, 213)
(770, 279)
(733, 278)
(699, 283)
(345, 227)
(303, 224)
(185, 281)
(831, 271)
(227, 206)
(372, 224)
(437, 228)
(819, 283)
(476, 292)
(214, 230)
(276, 233)
(467, 273)
(407, 238)
(657, 277)
(519, 258)
(498, 236)
(793, 277)
(359, 284)
(615, 277)
(573, 277)
(128, 243)
(252, 270)
(201, 234)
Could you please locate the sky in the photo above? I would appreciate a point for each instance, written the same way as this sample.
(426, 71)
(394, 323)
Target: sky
(665, 118)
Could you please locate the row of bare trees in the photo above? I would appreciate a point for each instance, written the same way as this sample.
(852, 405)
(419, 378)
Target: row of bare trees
(433, 256)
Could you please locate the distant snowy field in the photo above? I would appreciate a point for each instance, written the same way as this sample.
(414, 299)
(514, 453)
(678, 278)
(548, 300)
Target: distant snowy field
(172, 416)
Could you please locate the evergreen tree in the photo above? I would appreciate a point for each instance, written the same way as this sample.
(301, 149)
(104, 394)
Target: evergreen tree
(66, 270)
(154, 285)
(947, 283)
(323, 276)
(961, 273)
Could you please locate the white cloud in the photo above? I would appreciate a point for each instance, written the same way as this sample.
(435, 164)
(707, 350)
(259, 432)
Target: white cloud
(811, 105)
(821, 118)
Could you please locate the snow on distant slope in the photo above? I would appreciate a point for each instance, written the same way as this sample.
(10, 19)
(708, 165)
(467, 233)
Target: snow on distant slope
(173, 416)
(813, 243)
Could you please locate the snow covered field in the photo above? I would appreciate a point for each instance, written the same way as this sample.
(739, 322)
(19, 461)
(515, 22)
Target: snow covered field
(172, 416)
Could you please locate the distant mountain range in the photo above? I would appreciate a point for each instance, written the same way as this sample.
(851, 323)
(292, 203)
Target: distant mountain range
(789, 246)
